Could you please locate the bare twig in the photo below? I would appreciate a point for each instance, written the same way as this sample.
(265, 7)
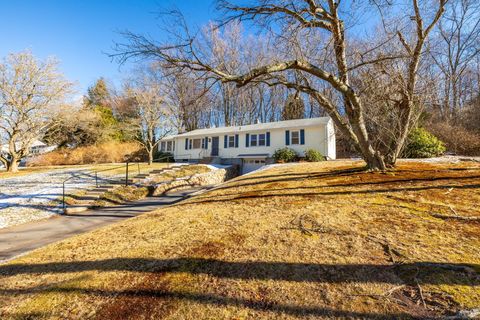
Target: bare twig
(392, 252)
(455, 217)
(307, 224)
(420, 291)
(453, 210)
(449, 190)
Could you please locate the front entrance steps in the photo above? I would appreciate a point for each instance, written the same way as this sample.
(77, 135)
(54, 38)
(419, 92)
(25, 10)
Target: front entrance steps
(85, 202)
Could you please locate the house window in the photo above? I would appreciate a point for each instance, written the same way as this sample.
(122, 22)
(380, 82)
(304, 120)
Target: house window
(261, 139)
(197, 143)
(255, 161)
(253, 140)
(295, 137)
(258, 140)
(162, 146)
(169, 145)
(231, 141)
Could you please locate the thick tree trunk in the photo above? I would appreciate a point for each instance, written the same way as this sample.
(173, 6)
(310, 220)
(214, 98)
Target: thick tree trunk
(375, 162)
(358, 135)
(12, 165)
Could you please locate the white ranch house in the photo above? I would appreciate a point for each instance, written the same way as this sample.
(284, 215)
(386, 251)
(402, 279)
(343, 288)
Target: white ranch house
(252, 146)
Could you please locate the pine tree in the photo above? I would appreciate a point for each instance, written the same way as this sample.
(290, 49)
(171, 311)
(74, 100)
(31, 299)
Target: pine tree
(294, 107)
(98, 94)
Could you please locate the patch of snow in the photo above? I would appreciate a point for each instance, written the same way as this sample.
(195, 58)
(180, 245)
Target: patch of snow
(39, 195)
(268, 166)
(443, 159)
(217, 166)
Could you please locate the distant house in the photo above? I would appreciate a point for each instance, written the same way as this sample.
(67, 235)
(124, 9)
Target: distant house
(37, 147)
(252, 146)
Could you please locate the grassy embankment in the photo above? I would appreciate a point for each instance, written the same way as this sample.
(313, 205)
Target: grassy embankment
(309, 240)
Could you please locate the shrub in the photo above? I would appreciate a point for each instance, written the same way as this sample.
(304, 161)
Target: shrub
(139, 155)
(312, 155)
(285, 155)
(163, 156)
(101, 153)
(423, 144)
(457, 139)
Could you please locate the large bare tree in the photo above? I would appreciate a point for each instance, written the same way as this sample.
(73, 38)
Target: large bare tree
(30, 94)
(457, 48)
(153, 119)
(188, 100)
(314, 57)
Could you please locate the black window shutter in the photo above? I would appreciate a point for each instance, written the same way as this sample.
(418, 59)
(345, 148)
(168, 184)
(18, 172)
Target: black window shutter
(206, 142)
(302, 136)
(190, 143)
(225, 142)
(247, 140)
(268, 139)
(287, 137)
(186, 144)
(236, 141)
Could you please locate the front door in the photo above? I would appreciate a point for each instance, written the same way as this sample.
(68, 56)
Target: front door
(215, 141)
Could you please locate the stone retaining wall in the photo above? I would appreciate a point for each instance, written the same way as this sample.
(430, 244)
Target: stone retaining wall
(213, 177)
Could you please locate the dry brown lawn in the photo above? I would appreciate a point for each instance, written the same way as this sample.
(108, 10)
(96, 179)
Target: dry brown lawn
(322, 240)
(181, 172)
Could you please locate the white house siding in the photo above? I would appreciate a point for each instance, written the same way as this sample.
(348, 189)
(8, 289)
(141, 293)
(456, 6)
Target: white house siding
(320, 137)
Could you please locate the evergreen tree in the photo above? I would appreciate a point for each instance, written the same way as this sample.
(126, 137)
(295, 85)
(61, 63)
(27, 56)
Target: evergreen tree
(294, 107)
(98, 94)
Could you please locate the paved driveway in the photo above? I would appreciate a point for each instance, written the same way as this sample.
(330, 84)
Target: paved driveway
(21, 239)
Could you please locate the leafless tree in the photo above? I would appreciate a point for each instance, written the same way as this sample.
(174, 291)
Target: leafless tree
(153, 118)
(188, 99)
(457, 48)
(30, 94)
(313, 54)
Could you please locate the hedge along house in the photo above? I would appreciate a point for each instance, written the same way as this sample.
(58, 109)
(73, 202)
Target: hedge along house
(252, 146)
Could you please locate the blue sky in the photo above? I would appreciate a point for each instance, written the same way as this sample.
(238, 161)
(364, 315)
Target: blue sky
(77, 32)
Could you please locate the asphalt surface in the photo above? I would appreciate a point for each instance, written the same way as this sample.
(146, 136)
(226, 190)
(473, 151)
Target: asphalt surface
(21, 239)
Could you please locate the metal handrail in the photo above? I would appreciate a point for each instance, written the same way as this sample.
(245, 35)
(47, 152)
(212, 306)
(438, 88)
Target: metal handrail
(63, 190)
(96, 180)
(109, 169)
(167, 157)
(203, 153)
(126, 165)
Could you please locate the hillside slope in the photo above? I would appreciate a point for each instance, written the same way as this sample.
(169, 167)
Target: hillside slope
(302, 240)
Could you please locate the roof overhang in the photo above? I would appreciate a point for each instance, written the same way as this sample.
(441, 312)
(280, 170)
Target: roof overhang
(259, 127)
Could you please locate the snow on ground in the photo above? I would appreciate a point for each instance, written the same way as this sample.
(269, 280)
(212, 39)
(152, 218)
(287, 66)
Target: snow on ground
(39, 195)
(446, 158)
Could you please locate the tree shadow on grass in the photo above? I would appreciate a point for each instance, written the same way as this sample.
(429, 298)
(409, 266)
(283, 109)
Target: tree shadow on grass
(286, 177)
(389, 184)
(276, 192)
(429, 272)
(217, 300)
(409, 274)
